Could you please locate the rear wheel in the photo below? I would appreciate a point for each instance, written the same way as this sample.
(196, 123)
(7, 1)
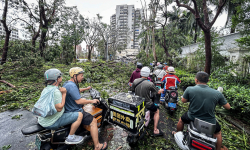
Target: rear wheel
(46, 146)
(171, 113)
(132, 140)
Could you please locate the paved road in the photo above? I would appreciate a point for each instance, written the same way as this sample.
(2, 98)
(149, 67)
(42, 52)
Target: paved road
(10, 130)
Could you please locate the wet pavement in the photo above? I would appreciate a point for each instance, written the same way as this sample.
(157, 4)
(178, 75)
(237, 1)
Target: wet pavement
(116, 137)
(10, 130)
(10, 133)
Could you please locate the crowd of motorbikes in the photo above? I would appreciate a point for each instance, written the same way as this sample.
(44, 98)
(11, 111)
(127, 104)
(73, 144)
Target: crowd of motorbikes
(199, 134)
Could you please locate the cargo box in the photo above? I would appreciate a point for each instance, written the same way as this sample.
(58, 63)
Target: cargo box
(127, 111)
(95, 112)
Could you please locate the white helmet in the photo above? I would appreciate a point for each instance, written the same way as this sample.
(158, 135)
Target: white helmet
(145, 71)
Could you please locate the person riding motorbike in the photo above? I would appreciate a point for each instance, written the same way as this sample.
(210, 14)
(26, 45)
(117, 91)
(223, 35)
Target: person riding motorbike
(203, 100)
(53, 79)
(165, 66)
(159, 73)
(74, 103)
(156, 66)
(169, 80)
(142, 87)
(135, 74)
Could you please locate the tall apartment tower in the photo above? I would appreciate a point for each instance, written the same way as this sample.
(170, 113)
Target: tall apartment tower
(126, 26)
(13, 35)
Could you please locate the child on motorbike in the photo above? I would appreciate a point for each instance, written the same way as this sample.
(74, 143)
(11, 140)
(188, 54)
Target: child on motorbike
(169, 80)
(53, 79)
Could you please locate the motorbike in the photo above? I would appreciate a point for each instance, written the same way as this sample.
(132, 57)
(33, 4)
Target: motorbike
(199, 136)
(55, 139)
(116, 112)
(171, 99)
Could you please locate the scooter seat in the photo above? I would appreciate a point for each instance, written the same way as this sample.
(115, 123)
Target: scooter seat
(33, 129)
(192, 127)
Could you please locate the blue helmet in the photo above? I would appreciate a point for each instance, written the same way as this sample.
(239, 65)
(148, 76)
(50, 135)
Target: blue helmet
(165, 63)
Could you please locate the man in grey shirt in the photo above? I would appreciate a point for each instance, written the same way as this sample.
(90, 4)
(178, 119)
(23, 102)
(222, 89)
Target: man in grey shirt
(143, 88)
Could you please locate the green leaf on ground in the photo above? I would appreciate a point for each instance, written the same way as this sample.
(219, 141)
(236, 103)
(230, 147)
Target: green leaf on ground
(5, 147)
(17, 116)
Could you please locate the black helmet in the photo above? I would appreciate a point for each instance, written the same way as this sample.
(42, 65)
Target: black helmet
(160, 66)
(139, 65)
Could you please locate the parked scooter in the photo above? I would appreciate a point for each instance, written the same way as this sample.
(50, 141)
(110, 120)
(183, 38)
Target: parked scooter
(198, 136)
(171, 100)
(54, 139)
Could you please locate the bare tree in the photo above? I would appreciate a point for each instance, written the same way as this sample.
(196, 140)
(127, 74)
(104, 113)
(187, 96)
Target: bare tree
(72, 24)
(47, 12)
(90, 36)
(149, 23)
(103, 32)
(31, 23)
(9, 21)
(205, 25)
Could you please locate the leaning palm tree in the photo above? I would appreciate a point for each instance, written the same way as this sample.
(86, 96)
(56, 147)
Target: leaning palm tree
(230, 8)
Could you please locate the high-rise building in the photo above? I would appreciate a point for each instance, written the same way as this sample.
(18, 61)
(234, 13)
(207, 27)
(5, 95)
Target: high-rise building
(13, 35)
(126, 26)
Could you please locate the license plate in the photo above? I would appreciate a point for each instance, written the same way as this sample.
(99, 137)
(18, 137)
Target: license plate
(38, 142)
(172, 105)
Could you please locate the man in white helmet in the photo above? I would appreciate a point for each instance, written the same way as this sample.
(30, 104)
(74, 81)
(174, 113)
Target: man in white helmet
(74, 103)
(144, 88)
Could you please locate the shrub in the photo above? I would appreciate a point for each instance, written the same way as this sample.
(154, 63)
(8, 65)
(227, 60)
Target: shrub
(236, 93)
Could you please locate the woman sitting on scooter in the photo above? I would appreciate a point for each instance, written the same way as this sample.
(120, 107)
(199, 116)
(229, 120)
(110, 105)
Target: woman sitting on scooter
(53, 79)
(169, 80)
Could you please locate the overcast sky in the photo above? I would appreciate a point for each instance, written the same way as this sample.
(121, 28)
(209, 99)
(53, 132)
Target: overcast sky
(106, 8)
(89, 8)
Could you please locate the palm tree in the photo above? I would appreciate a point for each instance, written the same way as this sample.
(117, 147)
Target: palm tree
(230, 8)
(189, 25)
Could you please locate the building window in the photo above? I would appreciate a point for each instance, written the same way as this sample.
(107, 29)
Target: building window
(233, 59)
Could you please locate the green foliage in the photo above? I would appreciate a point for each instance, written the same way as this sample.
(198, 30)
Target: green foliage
(29, 80)
(142, 58)
(232, 138)
(244, 41)
(187, 79)
(239, 98)
(241, 20)
(236, 91)
(197, 61)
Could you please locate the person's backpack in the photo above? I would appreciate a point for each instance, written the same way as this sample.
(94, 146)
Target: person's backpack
(45, 105)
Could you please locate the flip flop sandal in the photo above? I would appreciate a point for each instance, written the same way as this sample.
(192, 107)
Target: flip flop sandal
(105, 147)
(159, 134)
